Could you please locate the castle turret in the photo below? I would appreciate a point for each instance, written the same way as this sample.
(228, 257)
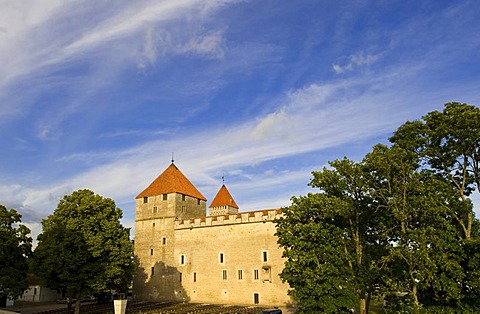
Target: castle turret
(169, 198)
(223, 203)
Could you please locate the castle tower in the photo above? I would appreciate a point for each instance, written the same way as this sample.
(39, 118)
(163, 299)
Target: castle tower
(223, 203)
(169, 198)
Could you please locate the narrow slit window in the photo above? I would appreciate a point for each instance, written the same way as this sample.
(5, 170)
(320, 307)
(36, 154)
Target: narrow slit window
(221, 258)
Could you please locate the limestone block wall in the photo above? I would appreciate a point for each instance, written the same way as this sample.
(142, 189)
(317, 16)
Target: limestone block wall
(230, 259)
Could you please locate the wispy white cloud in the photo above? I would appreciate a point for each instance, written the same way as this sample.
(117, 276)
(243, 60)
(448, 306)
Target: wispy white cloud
(309, 119)
(355, 61)
(35, 45)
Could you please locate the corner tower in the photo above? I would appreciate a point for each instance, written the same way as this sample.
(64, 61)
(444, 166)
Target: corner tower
(223, 203)
(169, 198)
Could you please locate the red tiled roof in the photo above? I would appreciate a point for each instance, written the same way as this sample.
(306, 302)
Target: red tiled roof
(223, 198)
(171, 180)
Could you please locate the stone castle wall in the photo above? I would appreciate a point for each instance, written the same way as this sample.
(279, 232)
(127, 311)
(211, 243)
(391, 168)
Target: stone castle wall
(227, 259)
(231, 259)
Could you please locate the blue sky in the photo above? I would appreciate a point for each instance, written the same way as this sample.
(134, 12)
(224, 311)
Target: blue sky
(98, 94)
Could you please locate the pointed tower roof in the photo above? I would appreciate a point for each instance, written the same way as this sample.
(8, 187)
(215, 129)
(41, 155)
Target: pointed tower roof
(223, 198)
(171, 180)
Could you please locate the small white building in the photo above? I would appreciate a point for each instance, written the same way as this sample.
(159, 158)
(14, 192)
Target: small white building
(38, 293)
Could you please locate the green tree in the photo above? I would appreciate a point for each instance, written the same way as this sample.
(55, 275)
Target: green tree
(15, 248)
(449, 144)
(83, 248)
(330, 244)
(423, 255)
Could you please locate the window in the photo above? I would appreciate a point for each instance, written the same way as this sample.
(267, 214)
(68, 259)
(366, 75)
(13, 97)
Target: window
(182, 259)
(153, 224)
(255, 274)
(256, 298)
(184, 208)
(224, 274)
(240, 274)
(183, 197)
(151, 251)
(164, 241)
(198, 201)
(145, 199)
(194, 277)
(153, 271)
(265, 256)
(180, 277)
(220, 258)
(155, 209)
(164, 197)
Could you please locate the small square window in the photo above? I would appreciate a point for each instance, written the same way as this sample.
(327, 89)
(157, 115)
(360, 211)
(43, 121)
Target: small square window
(182, 259)
(240, 274)
(153, 224)
(145, 199)
(151, 251)
(198, 201)
(265, 256)
(184, 208)
(164, 241)
(155, 209)
(256, 274)
(165, 197)
(224, 274)
(183, 197)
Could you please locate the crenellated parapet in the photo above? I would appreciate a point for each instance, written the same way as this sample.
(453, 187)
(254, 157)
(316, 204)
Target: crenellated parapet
(229, 219)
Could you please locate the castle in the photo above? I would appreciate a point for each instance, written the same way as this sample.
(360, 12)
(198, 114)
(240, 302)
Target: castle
(227, 257)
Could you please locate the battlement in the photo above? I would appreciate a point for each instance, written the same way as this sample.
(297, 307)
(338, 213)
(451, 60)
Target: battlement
(222, 220)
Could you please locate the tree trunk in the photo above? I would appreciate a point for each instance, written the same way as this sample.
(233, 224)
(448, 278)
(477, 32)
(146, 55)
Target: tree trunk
(77, 306)
(414, 294)
(363, 306)
(368, 302)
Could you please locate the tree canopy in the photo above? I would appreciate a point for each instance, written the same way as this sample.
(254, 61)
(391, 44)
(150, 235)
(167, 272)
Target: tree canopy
(83, 248)
(400, 220)
(15, 248)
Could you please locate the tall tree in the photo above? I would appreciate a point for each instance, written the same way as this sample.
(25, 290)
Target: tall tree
(331, 234)
(423, 254)
(83, 248)
(15, 247)
(449, 144)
